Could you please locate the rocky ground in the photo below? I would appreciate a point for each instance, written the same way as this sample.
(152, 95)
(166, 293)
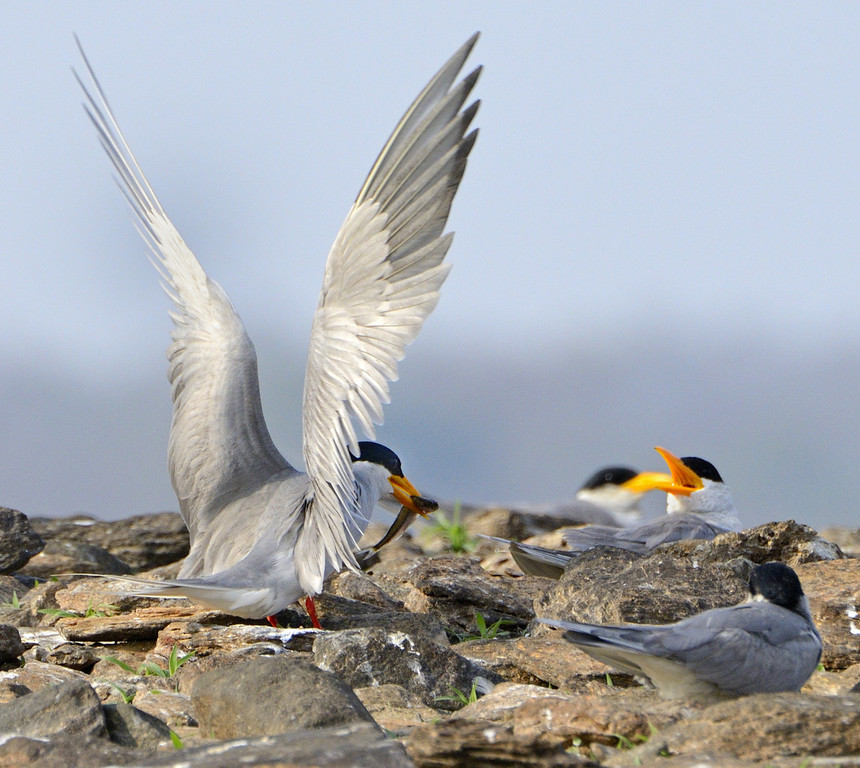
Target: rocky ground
(431, 659)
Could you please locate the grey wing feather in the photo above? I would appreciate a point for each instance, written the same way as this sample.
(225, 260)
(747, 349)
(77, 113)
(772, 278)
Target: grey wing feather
(540, 561)
(534, 560)
(679, 528)
(219, 443)
(618, 646)
(643, 538)
(551, 563)
(581, 539)
(382, 280)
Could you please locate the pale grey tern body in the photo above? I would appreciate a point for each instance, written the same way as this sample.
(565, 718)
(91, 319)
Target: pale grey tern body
(699, 505)
(603, 499)
(263, 533)
(766, 644)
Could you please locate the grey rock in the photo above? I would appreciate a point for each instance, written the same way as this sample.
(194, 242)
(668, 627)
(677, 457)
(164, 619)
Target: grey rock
(606, 586)
(456, 588)
(629, 717)
(411, 623)
(378, 656)
(787, 542)
(273, 695)
(359, 587)
(514, 524)
(36, 675)
(760, 728)
(32, 603)
(68, 708)
(13, 602)
(397, 558)
(205, 640)
(827, 683)
(481, 744)
(833, 590)
(173, 709)
(73, 557)
(131, 727)
(847, 539)
(18, 541)
(11, 589)
(396, 709)
(542, 661)
(66, 752)
(144, 624)
(142, 541)
(500, 704)
(10, 690)
(335, 611)
(105, 596)
(349, 746)
(72, 656)
(11, 647)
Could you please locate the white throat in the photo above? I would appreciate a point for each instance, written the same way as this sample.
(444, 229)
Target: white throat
(713, 502)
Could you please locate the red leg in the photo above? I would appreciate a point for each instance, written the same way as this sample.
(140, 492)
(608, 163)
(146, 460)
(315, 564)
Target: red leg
(312, 612)
(273, 621)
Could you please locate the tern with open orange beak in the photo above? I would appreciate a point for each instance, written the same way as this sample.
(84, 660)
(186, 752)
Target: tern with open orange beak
(264, 533)
(699, 505)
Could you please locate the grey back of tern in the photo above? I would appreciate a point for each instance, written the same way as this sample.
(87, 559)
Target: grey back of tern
(767, 644)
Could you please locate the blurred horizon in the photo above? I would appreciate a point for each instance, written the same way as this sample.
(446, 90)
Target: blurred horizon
(528, 440)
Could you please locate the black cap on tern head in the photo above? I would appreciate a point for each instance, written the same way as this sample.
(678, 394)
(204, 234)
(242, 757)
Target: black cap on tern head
(702, 468)
(608, 476)
(776, 583)
(379, 454)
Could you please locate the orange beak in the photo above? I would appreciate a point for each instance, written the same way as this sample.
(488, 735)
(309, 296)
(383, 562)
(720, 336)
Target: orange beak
(407, 494)
(682, 482)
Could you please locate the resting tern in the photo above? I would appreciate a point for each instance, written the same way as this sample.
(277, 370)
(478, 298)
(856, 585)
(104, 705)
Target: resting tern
(603, 499)
(766, 644)
(699, 505)
(263, 534)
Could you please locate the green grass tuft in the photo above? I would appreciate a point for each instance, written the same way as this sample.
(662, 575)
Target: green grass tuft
(453, 531)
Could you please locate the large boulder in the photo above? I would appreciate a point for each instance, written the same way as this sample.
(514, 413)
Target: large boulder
(274, 695)
(18, 541)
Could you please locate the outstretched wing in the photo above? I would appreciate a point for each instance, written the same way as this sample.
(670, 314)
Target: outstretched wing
(219, 443)
(382, 279)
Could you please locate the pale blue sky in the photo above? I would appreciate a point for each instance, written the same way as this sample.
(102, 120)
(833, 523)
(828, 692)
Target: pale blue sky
(675, 178)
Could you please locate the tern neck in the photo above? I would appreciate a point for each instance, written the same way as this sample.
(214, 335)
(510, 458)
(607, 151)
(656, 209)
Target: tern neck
(713, 502)
(371, 482)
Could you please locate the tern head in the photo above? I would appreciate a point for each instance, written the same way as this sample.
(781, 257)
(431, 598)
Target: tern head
(694, 485)
(778, 584)
(609, 476)
(607, 488)
(382, 460)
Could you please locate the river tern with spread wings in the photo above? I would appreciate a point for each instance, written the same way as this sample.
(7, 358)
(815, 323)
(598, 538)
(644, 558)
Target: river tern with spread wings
(263, 533)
